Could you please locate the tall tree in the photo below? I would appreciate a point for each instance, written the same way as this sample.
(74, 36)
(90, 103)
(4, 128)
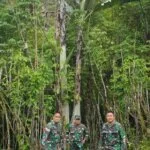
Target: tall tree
(61, 36)
(85, 8)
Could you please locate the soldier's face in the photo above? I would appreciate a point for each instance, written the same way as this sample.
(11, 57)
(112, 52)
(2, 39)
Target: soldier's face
(57, 117)
(110, 117)
(77, 122)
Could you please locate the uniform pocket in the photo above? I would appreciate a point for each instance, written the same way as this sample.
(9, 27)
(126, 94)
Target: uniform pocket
(115, 134)
(71, 132)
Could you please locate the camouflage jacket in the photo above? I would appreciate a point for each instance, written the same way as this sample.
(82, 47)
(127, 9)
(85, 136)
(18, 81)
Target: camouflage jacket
(113, 137)
(52, 133)
(77, 133)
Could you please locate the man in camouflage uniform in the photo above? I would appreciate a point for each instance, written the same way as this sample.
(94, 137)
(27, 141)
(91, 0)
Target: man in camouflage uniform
(52, 134)
(77, 134)
(112, 135)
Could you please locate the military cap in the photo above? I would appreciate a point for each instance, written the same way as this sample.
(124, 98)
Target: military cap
(77, 117)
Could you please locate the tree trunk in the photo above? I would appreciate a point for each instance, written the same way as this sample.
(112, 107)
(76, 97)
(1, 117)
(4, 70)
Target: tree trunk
(78, 74)
(36, 38)
(61, 35)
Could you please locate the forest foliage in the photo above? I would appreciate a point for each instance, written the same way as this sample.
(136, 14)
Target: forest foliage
(115, 68)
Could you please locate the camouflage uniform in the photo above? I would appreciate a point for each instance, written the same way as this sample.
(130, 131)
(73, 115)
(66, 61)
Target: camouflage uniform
(76, 134)
(51, 136)
(112, 137)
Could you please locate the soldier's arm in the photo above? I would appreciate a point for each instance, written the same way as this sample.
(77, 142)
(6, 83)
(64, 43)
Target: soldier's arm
(46, 132)
(123, 138)
(86, 133)
(101, 139)
(67, 137)
(62, 132)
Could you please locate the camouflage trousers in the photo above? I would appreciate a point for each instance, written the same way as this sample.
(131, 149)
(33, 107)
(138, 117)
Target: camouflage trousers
(111, 148)
(50, 146)
(76, 146)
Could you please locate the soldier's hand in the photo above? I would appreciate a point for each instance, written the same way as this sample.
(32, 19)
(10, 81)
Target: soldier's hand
(42, 147)
(58, 148)
(83, 141)
(100, 147)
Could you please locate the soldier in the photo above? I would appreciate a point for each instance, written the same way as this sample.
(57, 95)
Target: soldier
(77, 134)
(112, 135)
(52, 134)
